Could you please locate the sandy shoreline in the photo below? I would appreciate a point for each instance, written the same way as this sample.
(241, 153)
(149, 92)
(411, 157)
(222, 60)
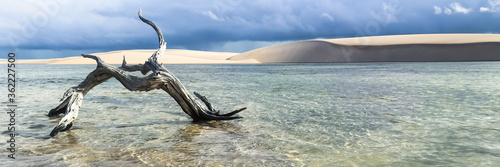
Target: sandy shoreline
(398, 48)
(171, 56)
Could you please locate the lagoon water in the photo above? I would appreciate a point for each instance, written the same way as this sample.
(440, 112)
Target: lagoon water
(366, 114)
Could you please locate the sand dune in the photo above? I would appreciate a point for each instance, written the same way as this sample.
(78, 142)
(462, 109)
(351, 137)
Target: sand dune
(400, 48)
(171, 56)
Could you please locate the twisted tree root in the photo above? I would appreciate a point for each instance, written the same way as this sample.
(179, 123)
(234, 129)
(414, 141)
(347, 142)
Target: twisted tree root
(160, 78)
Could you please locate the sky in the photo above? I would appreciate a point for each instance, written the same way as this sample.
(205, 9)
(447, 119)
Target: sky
(36, 29)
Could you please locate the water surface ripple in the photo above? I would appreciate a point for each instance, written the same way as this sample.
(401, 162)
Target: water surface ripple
(367, 114)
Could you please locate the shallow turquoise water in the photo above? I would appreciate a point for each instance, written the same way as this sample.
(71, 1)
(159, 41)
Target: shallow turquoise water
(367, 114)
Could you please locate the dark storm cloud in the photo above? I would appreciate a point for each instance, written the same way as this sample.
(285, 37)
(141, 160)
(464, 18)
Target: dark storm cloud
(227, 25)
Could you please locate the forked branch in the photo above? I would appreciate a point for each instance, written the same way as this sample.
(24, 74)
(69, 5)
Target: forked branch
(160, 78)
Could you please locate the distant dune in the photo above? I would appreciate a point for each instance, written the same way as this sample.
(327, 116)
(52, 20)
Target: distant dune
(171, 56)
(399, 48)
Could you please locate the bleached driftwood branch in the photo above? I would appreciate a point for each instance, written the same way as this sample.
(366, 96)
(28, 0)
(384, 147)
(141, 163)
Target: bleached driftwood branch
(160, 78)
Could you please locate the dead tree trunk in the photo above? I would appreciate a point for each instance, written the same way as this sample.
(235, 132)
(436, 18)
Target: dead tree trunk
(160, 78)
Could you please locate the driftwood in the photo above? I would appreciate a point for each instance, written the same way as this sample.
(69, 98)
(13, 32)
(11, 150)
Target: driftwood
(160, 78)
